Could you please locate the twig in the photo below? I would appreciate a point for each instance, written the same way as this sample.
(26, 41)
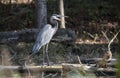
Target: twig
(29, 73)
(54, 75)
(104, 33)
(79, 59)
(104, 73)
(48, 75)
(42, 74)
(114, 34)
(89, 34)
(112, 40)
(13, 55)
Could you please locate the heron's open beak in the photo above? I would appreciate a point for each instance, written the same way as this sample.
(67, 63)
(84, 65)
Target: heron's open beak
(60, 16)
(58, 19)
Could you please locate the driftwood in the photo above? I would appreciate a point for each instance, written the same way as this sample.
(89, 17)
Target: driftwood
(41, 68)
(55, 67)
(95, 60)
(61, 68)
(107, 55)
(29, 35)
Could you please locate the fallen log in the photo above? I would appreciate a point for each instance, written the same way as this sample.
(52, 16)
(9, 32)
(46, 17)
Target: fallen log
(41, 68)
(57, 67)
(95, 60)
(29, 35)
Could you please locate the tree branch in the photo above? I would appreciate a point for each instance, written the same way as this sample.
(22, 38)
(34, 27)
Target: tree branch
(104, 33)
(112, 40)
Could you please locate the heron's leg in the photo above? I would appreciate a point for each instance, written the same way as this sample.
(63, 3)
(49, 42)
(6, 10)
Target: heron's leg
(48, 61)
(43, 55)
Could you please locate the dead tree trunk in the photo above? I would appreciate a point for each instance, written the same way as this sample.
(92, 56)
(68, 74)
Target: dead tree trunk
(41, 13)
(62, 13)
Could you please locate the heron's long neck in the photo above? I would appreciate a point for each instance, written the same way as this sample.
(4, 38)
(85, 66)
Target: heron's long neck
(55, 24)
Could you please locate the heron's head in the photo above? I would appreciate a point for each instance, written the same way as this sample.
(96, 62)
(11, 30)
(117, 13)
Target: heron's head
(57, 17)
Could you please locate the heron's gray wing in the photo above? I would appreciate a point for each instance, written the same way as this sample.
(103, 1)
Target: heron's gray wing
(43, 38)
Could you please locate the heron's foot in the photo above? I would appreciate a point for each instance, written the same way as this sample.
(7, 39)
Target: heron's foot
(44, 64)
(47, 63)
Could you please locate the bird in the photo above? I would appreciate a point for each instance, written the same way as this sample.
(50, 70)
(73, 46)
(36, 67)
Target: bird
(46, 34)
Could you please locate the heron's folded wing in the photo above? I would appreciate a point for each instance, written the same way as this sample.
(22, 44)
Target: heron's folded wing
(43, 38)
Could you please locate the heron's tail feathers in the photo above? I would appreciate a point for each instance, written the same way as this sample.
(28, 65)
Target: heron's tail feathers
(36, 48)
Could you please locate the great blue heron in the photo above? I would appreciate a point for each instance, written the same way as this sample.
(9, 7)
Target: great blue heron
(46, 34)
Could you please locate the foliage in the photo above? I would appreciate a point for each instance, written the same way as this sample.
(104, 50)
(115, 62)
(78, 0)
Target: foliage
(17, 16)
(91, 8)
(80, 12)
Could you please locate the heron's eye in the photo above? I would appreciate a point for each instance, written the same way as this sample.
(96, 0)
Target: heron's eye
(58, 17)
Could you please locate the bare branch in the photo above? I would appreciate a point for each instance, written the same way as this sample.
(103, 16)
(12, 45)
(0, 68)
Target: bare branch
(112, 40)
(79, 59)
(113, 35)
(104, 33)
(89, 34)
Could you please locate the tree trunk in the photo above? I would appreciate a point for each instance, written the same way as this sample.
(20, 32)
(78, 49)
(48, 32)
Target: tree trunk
(62, 13)
(41, 13)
